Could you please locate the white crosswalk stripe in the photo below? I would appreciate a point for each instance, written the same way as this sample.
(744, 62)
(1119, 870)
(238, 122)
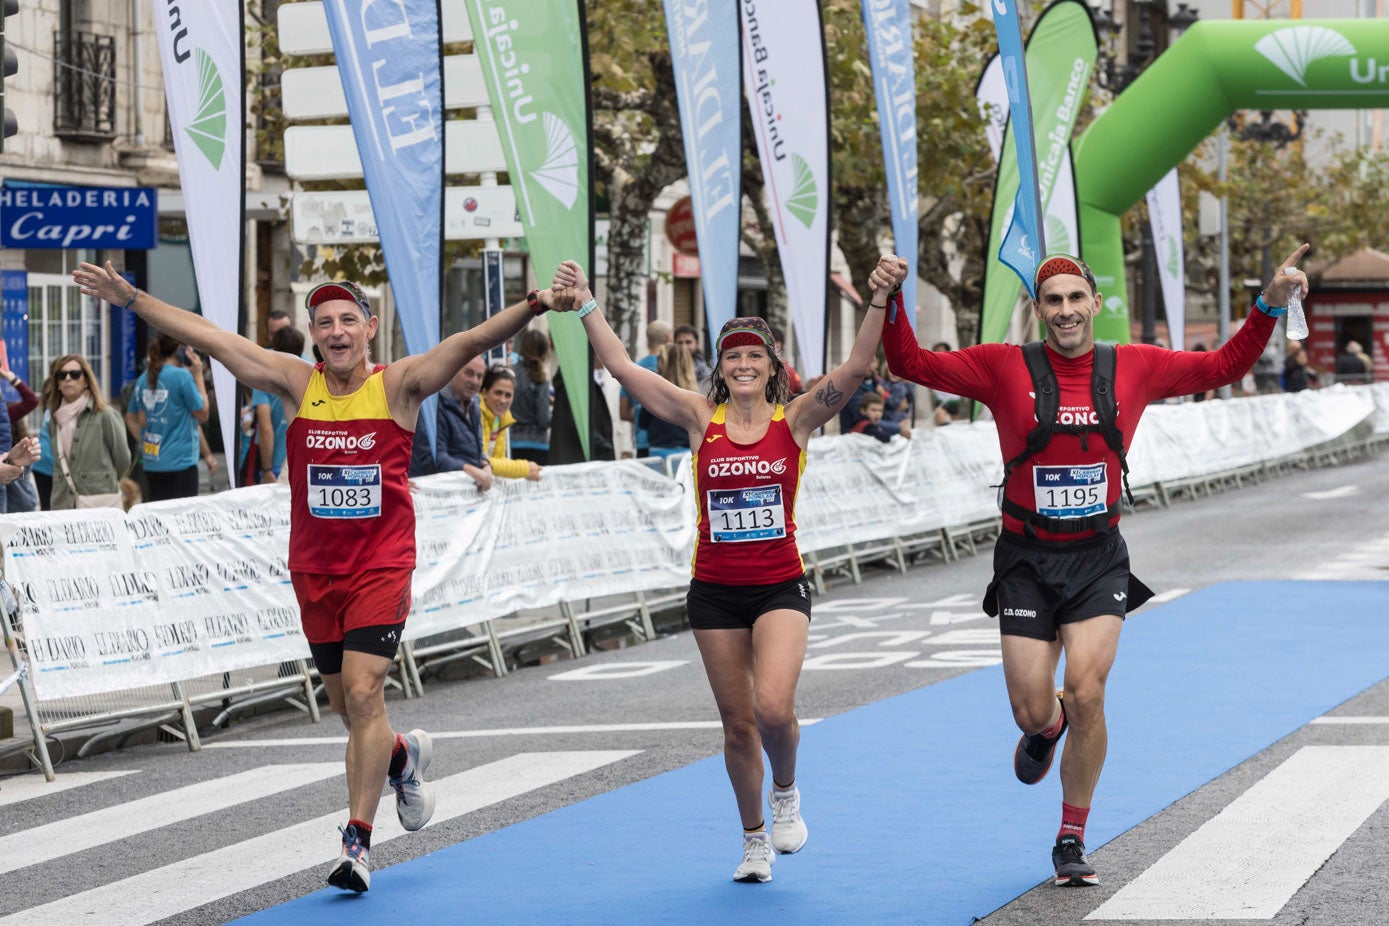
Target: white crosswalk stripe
(1252, 857)
(163, 892)
(15, 790)
(88, 830)
(1369, 562)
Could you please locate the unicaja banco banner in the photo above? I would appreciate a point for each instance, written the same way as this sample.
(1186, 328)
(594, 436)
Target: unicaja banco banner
(533, 61)
(201, 47)
(784, 79)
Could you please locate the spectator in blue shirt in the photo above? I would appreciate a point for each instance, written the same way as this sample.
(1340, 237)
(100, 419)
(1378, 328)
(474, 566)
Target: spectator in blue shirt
(268, 411)
(457, 431)
(170, 403)
(658, 334)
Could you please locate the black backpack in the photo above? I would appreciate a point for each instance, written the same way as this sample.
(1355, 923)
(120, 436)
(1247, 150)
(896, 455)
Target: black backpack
(1047, 398)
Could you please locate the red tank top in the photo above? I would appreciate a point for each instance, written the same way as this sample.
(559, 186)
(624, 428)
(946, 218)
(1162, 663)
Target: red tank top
(350, 506)
(747, 503)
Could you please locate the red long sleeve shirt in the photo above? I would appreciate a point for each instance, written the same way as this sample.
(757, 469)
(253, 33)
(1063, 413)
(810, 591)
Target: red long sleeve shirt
(1069, 478)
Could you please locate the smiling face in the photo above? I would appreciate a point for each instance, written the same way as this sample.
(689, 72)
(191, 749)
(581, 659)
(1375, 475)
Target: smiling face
(1067, 307)
(499, 395)
(746, 369)
(341, 332)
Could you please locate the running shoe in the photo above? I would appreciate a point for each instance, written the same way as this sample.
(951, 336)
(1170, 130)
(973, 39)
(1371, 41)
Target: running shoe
(1072, 867)
(757, 859)
(414, 800)
(789, 832)
(1033, 755)
(352, 871)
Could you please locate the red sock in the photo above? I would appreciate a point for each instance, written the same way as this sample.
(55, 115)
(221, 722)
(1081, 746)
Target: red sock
(363, 831)
(1053, 731)
(1073, 821)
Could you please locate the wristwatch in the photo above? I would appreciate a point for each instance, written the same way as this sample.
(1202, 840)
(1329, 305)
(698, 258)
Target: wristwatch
(533, 300)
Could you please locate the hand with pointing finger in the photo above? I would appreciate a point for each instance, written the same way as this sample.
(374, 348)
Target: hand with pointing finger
(1285, 278)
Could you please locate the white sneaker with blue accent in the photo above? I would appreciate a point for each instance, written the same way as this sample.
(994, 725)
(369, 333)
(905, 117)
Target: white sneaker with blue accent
(414, 800)
(352, 871)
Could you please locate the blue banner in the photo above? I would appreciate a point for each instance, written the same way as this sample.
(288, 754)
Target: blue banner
(704, 53)
(388, 56)
(889, 27)
(63, 217)
(1023, 245)
(15, 286)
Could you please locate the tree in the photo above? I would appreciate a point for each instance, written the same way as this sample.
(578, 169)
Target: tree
(1277, 199)
(638, 147)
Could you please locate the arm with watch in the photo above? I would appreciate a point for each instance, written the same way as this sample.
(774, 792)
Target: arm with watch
(424, 374)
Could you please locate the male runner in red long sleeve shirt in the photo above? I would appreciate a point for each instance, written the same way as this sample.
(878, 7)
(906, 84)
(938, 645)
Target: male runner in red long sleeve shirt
(1057, 588)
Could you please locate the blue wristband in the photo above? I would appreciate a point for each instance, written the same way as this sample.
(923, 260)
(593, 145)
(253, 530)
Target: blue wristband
(131, 301)
(1271, 311)
(587, 307)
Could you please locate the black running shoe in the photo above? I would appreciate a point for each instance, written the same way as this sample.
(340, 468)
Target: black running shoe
(1072, 868)
(1033, 755)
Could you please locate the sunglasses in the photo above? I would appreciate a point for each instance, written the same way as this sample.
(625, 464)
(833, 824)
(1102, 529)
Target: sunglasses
(69, 374)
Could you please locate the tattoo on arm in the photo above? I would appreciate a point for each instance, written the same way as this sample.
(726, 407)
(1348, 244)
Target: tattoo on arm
(828, 396)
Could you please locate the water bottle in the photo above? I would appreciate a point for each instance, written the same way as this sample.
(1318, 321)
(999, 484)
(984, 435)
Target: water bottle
(1297, 319)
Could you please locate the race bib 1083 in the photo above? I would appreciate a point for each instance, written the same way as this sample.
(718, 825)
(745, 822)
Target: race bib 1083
(345, 491)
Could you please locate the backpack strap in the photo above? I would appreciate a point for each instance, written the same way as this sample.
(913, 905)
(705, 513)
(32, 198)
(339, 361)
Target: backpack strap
(1107, 407)
(1046, 402)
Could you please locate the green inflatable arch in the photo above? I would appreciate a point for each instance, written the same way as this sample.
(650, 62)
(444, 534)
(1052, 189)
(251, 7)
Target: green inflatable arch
(1213, 70)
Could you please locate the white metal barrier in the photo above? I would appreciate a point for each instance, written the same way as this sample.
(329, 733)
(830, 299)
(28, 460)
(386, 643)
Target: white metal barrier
(132, 620)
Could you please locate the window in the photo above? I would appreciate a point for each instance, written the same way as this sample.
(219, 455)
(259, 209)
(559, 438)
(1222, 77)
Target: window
(63, 321)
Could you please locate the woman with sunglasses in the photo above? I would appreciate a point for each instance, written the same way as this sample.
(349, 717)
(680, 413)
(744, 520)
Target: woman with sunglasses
(88, 439)
(749, 601)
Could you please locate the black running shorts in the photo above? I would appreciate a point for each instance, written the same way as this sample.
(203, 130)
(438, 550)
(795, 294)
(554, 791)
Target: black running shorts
(1039, 585)
(714, 606)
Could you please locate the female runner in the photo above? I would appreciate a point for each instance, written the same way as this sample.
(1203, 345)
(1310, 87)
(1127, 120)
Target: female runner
(749, 601)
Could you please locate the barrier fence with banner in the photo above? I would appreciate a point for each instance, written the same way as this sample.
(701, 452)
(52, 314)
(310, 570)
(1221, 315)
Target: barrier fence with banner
(189, 602)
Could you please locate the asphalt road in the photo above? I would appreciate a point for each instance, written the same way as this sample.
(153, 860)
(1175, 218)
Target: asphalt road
(894, 633)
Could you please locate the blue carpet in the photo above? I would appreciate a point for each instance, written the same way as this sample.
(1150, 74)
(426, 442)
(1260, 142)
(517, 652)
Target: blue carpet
(913, 810)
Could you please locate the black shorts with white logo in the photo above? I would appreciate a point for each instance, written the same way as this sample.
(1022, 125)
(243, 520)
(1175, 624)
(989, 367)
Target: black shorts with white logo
(714, 606)
(1039, 585)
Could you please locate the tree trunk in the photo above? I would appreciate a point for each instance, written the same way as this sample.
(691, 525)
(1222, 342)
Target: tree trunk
(633, 177)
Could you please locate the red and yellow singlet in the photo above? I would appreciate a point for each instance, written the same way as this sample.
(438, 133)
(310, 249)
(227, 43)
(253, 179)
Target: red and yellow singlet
(350, 506)
(747, 501)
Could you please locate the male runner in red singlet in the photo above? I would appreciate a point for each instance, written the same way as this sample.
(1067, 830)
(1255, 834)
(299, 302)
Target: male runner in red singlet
(352, 523)
(749, 601)
(1061, 569)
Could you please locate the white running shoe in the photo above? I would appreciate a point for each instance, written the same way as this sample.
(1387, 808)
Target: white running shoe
(352, 870)
(414, 800)
(757, 859)
(789, 831)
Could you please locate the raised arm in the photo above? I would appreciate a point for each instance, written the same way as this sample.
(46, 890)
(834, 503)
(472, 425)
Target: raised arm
(1172, 373)
(253, 365)
(421, 375)
(665, 400)
(809, 411)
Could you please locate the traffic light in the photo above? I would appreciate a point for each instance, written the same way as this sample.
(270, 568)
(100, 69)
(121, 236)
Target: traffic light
(11, 65)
